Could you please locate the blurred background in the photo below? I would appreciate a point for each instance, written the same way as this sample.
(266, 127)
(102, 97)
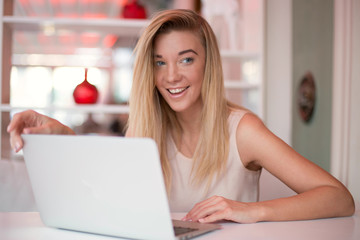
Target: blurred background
(289, 61)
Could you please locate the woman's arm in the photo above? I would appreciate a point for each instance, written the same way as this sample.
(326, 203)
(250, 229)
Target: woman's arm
(319, 194)
(31, 122)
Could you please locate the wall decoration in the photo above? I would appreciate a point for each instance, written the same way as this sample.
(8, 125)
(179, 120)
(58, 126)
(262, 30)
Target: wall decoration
(85, 92)
(133, 9)
(306, 97)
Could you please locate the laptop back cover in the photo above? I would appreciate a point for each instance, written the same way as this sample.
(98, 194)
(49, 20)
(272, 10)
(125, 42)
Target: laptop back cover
(106, 185)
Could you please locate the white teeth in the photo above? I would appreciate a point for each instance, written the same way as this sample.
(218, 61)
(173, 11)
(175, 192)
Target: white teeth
(177, 90)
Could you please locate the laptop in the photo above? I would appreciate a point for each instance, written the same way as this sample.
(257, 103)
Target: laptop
(104, 185)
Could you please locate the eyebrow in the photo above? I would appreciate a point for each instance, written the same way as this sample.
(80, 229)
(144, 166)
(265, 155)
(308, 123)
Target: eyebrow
(186, 51)
(180, 53)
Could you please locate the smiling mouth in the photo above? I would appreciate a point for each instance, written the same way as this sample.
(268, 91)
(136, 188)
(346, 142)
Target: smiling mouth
(177, 90)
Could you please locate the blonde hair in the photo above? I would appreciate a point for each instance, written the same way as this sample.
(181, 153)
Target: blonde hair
(150, 115)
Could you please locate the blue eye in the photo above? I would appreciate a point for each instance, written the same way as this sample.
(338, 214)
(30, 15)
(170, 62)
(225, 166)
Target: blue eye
(188, 60)
(159, 63)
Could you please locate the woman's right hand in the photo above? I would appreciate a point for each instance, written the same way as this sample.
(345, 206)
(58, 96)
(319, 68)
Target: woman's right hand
(31, 122)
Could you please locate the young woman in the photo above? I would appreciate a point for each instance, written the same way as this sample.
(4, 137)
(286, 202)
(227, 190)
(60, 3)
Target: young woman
(211, 151)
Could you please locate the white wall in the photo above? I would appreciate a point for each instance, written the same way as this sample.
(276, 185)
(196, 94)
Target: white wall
(346, 112)
(278, 75)
(278, 68)
(354, 166)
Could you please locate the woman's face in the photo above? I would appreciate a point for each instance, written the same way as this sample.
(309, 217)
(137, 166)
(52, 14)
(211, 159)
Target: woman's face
(179, 59)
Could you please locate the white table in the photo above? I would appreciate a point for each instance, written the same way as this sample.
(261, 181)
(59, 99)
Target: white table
(28, 226)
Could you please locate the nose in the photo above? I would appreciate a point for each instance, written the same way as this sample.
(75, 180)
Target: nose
(173, 74)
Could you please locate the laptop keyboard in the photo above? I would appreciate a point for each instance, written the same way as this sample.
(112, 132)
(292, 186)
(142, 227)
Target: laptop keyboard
(182, 230)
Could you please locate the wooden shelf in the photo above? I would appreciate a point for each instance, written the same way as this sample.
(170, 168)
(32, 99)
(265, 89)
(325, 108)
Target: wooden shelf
(114, 109)
(86, 108)
(237, 54)
(236, 84)
(123, 27)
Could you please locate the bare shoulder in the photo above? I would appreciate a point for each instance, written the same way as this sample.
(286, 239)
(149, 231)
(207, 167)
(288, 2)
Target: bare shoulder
(249, 135)
(250, 122)
(249, 127)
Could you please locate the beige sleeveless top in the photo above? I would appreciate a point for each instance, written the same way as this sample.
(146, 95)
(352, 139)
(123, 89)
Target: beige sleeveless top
(238, 183)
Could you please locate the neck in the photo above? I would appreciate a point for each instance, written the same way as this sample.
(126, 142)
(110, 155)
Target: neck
(190, 121)
(190, 124)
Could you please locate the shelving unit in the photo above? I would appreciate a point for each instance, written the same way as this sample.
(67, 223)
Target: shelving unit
(84, 108)
(124, 27)
(10, 24)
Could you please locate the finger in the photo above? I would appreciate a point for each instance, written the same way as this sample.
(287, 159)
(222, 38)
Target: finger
(201, 205)
(20, 121)
(204, 208)
(208, 211)
(15, 123)
(216, 216)
(10, 127)
(196, 208)
(15, 129)
(16, 141)
(44, 129)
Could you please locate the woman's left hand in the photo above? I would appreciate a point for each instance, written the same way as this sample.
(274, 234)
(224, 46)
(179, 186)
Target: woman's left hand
(219, 208)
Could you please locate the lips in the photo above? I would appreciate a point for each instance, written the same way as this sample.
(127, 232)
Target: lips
(177, 90)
